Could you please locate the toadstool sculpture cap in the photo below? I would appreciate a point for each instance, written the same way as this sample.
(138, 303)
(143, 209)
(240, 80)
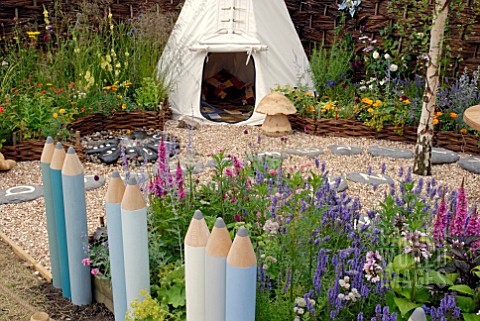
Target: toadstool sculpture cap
(276, 103)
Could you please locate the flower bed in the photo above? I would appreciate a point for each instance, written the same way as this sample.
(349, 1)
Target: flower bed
(352, 128)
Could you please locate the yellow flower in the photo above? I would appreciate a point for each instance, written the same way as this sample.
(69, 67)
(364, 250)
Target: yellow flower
(126, 84)
(48, 84)
(307, 93)
(406, 101)
(128, 131)
(435, 121)
(119, 96)
(463, 131)
(329, 106)
(377, 103)
(310, 109)
(438, 114)
(367, 101)
(124, 106)
(62, 111)
(33, 34)
(55, 115)
(370, 110)
(453, 115)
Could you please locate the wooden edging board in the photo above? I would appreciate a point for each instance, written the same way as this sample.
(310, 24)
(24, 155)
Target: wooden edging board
(27, 257)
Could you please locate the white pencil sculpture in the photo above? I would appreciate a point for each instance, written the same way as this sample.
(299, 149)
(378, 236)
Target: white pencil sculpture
(195, 243)
(241, 279)
(45, 160)
(76, 227)
(216, 252)
(135, 242)
(113, 200)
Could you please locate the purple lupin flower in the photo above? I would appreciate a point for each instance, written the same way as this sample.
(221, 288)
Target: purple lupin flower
(473, 228)
(459, 221)
(440, 223)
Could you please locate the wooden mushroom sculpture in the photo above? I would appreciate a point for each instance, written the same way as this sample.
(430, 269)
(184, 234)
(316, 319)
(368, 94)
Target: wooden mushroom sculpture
(6, 164)
(276, 106)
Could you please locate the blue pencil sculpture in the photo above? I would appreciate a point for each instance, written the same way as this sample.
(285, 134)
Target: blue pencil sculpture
(76, 227)
(241, 279)
(58, 205)
(216, 252)
(113, 200)
(45, 161)
(135, 242)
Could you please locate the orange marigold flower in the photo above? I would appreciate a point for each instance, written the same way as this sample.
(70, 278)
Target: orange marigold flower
(438, 113)
(62, 111)
(435, 121)
(307, 93)
(463, 131)
(370, 110)
(55, 115)
(406, 101)
(453, 115)
(124, 106)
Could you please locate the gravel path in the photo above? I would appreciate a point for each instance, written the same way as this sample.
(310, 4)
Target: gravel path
(25, 222)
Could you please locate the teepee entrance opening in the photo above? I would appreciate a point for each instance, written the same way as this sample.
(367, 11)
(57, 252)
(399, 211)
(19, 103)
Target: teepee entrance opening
(228, 87)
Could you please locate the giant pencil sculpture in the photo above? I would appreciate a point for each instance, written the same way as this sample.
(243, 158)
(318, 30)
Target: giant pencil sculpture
(113, 200)
(76, 227)
(45, 160)
(135, 242)
(216, 252)
(57, 196)
(195, 242)
(241, 279)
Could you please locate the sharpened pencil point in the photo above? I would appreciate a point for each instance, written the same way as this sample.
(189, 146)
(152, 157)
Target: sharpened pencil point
(242, 231)
(115, 174)
(219, 223)
(59, 146)
(198, 215)
(132, 181)
(50, 140)
(71, 150)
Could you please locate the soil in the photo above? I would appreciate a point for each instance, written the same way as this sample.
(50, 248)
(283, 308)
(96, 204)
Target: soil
(23, 292)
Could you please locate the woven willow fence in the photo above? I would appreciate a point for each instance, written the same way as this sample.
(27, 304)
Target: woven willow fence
(315, 21)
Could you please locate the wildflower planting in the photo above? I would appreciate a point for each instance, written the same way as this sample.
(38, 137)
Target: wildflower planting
(320, 254)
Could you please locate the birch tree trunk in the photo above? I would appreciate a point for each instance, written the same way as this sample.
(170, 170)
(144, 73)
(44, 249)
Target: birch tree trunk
(422, 164)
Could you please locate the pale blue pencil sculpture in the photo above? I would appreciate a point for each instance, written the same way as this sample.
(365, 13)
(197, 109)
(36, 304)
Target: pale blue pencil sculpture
(57, 196)
(113, 200)
(135, 242)
(216, 252)
(45, 161)
(76, 227)
(241, 279)
(195, 242)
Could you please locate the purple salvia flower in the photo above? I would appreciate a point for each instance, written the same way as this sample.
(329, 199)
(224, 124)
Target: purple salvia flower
(384, 167)
(440, 223)
(400, 172)
(459, 221)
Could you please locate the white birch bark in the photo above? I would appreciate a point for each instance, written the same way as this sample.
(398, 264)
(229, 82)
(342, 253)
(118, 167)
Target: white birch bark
(423, 149)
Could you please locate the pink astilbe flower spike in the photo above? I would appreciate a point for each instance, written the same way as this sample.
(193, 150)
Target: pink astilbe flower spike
(179, 181)
(457, 225)
(440, 223)
(473, 228)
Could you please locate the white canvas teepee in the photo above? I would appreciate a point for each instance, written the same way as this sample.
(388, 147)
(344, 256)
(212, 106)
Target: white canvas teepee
(255, 40)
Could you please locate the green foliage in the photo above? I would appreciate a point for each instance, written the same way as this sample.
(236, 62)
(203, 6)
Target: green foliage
(150, 94)
(171, 289)
(267, 309)
(147, 309)
(97, 254)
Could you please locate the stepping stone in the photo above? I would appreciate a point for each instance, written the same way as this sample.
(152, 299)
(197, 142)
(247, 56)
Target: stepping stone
(93, 181)
(332, 181)
(197, 167)
(471, 164)
(370, 179)
(443, 156)
(309, 151)
(110, 156)
(21, 193)
(345, 150)
(148, 154)
(270, 154)
(378, 150)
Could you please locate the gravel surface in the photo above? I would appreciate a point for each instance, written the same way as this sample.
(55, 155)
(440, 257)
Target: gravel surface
(25, 222)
